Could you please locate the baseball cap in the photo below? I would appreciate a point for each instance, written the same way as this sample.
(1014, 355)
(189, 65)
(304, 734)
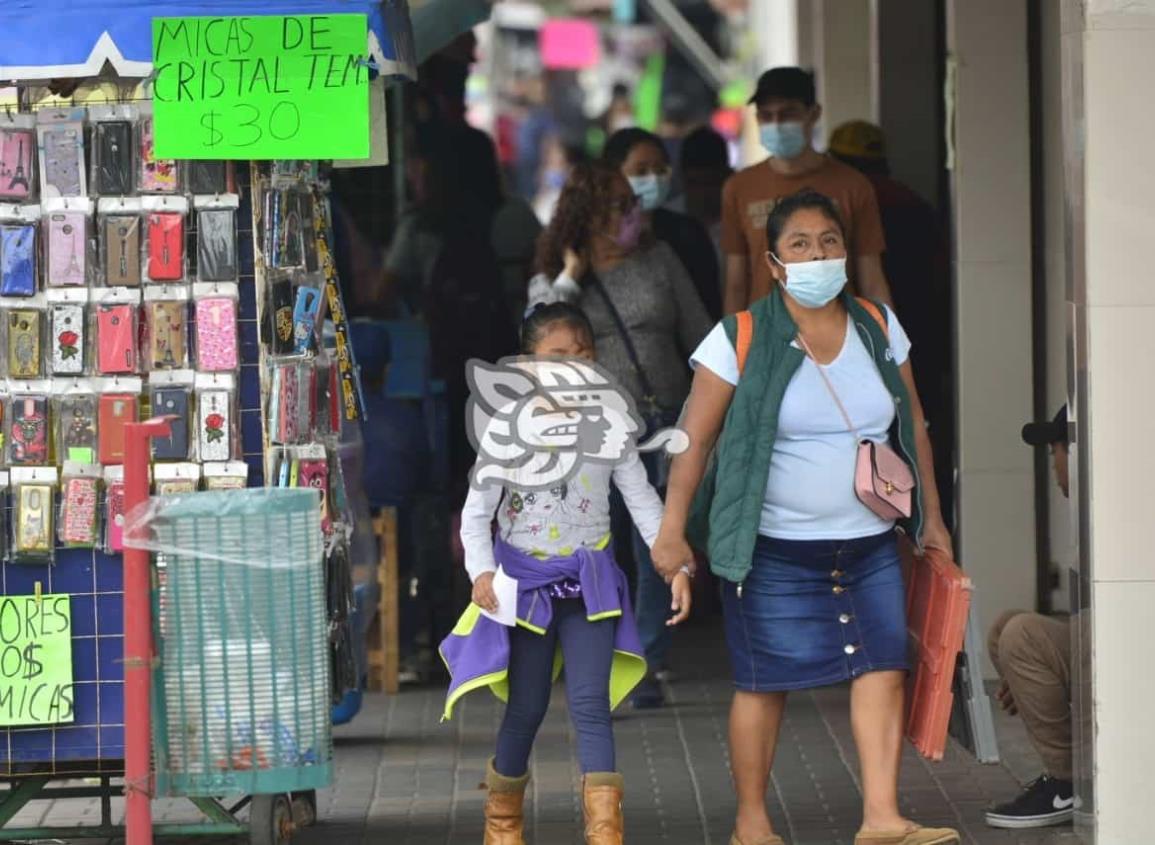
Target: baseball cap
(1047, 433)
(787, 83)
(858, 139)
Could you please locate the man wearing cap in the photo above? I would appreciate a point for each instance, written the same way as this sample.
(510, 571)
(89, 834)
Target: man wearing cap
(1032, 653)
(787, 113)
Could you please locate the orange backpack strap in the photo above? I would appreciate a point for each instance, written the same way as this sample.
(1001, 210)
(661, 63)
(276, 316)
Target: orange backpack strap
(745, 336)
(876, 312)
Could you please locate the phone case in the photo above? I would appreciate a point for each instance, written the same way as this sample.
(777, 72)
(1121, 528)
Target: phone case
(18, 260)
(281, 309)
(29, 434)
(214, 432)
(207, 177)
(315, 473)
(77, 425)
(165, 321)
(78, 512)
(116, 411)
(172, 401)
(112, 173)
(121, 240)
(165, 246)
(24, 358)
(309, 235)
(63, 160)
(67, 330)
(288, 410)
(175, 486)
(114, 518)
(305, 318)
(34, 505)
(157, 176)
(17, 152)
(216, 331)
(216, 245)
(116, 350)
(67, 249)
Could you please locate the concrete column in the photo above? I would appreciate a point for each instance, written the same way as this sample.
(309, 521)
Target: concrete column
(1109, 60)
(991, 200)
(844, 59)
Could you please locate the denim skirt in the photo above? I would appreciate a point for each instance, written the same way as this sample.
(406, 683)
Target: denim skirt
(816, 612)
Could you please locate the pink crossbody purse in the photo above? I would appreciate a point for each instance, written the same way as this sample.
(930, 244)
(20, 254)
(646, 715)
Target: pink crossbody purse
(882, 480)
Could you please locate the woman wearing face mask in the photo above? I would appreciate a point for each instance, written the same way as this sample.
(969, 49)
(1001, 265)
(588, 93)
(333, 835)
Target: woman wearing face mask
(646, 317)
(808, 402)
(642, 159)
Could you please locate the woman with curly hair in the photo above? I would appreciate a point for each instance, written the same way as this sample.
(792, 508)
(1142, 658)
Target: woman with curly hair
(647, 318)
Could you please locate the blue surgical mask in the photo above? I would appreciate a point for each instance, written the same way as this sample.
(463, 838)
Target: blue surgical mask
(651, 190)
(784, 140)
(813, 284)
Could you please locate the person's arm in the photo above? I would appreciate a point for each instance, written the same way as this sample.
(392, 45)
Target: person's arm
(642, 500)
(702, 420)
(564, 288)
(934, 531)
(736, 294)
(477, 529)
(871, 279)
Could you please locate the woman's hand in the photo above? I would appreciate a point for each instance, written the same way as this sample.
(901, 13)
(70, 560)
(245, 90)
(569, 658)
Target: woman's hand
(683, 599)
(575, 265)
(935, 536)
(669, 554)
(483, 595)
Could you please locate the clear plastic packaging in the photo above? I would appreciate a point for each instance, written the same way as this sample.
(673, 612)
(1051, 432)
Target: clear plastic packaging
(118, 405)
(120, 231)
(80, 491)
(19, 241)
(171, 395)
(60, 138)
(24, 330)
(75, 414)
(283, 236)
(165, 321)
(289, 401)
(210, 177)
(114, 509)
(17, 157)
(115, 312)
(164, 256)
(68, 332)
(156, 176)
(68, 244)
(113, 149)
(176, 479)
(217, 237)
(33, 514)
(216, 327)
(26, 432)
(217, 430)
(225, 475)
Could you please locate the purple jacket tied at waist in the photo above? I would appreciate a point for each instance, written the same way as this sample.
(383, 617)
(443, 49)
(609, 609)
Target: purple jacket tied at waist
(477, 651)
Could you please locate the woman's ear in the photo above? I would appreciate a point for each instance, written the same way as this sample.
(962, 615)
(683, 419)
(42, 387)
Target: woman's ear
(777, 272)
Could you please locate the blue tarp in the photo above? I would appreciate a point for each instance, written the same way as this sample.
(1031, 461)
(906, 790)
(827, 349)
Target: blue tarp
(47, 39)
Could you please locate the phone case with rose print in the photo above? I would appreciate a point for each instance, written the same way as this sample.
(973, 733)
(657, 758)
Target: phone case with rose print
(116, 340)
(216, 334)
(67, 249)
(165, 246)
(28, 434)
(112, 169)
(214, 429)
(157, 176)
(121, 242)
(76, 423)
(34, 530)
(17, 153)
(175, 402)
(17, 260)
(24, 347)
(165, 329)
(115, 412)
(79, 498)
(67, 330)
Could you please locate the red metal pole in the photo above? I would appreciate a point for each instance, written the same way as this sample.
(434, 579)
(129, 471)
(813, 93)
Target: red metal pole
(138, 640)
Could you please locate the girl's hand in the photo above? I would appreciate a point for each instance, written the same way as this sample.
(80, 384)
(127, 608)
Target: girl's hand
(935, 536)
(483, 595)
(670, 554)
(575, 265)
(683, 598)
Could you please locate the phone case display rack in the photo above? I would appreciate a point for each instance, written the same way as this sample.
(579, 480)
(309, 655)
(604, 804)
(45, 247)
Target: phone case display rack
(129, 287)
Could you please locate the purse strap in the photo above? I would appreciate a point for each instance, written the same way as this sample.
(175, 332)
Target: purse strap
(597, 285)
(829, 386)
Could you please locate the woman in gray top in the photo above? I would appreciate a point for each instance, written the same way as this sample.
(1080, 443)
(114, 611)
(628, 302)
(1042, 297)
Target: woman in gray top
(647, 318)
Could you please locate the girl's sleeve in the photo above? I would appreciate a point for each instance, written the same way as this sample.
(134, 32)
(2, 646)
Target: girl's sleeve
(477, 529)
(561, 289)
(641, 499)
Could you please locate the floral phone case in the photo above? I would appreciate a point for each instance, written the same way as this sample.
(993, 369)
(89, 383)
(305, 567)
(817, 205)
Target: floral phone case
(214, 430)
(157, 176)
(17, 152)
(216, 333)
(165, 324)
(67, 249)
(79, 498)
(28, 436)
(68, 332)
(24, 348)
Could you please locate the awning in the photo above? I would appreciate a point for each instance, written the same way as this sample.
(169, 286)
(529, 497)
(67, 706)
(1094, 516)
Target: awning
(52, 39)
(438, 22)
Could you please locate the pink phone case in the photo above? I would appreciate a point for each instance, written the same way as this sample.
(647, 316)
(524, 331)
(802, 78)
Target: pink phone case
(115, 519)
(17, 147)
(315, 474)
(216, 331)
(67, 249)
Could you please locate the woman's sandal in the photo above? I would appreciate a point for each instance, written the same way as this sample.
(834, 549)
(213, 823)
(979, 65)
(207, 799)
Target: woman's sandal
(916, 835)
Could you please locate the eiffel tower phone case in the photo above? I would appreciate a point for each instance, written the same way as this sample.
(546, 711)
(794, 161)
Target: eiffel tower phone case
(17, 154)
(67, 248)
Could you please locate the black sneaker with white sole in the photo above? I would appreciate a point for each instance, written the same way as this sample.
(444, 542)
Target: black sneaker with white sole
(1045, 802)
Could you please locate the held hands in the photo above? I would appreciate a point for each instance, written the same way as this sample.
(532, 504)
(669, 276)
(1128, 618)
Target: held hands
(683, 599)
(670, 553)
(483, 595)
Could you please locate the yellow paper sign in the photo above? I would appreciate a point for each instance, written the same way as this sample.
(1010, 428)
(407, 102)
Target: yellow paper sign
(261, 87)
(36, 660)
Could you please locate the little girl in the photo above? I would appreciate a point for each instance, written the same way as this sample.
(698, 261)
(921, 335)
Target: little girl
(572, 598)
